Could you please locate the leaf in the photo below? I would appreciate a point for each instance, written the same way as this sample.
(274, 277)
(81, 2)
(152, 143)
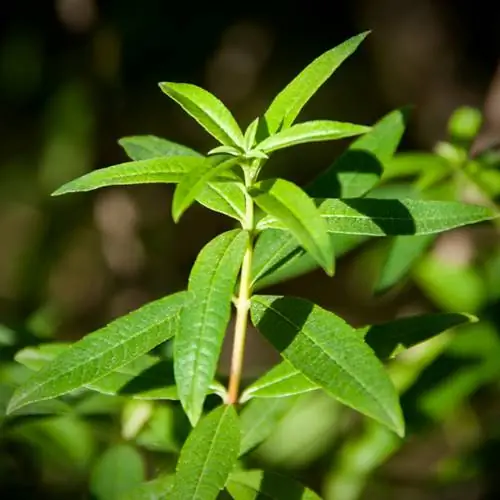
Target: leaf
(226, 197)
(192, 184)
(281, 381)
(260, 485)
(203, 325)
(379, 217)
(145, 147)
(312, 131)
(119, 469)
(250, 134)
(102, 352)
(207, 110)
(170, 169)
(330, 353)
(402, 253)
(295, 211)
(288, 103)
(387, 339)
(359, 168)
(157, 489)
(414, 163)
(208, 456)
(259, 418)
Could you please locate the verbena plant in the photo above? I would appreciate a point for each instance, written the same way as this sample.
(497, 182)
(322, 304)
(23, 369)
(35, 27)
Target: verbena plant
(281, 231)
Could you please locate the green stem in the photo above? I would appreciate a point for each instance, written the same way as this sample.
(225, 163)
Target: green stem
(242, 307)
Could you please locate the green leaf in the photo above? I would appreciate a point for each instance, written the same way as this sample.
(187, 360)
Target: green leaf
(250, 134)
(203, 325)
(145, 147)
(387, 339)
(157, 489)
(281, 381)
(170, 169)
(402, 253)
(330, 353)
(359, 168)
(378, 217)
(192, 184)
(208, 456)
(118, 470)
(260, 485)
(313, 131)
(207, 110)
(226, 197)
(104, 351)
(288, 103)
(295, 211)
(259, 418)
(413, 164)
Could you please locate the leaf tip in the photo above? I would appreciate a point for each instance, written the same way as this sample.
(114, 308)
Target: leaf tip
(15, 403)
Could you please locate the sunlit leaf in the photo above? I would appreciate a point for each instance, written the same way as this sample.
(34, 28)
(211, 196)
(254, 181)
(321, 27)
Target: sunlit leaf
(156, 489)
(289, 102)
(207, 110)
(208, 456)
(203, 324)
(295, 211)
(145, 147)
(330, 353)
(104, 351)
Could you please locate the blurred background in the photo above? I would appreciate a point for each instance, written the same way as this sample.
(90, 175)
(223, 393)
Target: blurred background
(76, 75)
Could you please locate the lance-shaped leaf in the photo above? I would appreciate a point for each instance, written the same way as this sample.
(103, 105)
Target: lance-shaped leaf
(415, 163)
(330, 353)
(286, 202)
(156, 489)
(166, 170)
(313, 131)
(207, 110)
(257, 484)
(281, 381)
(145, 147)
(378, 217)
(400, 257)
(208, 456)
(287, 104)
(387, 339)
(104, 351)
(360, 167)
(203, 324)
(225, 196)
(192, 184)
(259, 418)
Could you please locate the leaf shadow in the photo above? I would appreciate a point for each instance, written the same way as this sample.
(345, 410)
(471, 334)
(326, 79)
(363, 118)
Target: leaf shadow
(280, 486)
(158, 376)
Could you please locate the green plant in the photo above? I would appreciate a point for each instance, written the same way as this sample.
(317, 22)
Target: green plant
(282, 231)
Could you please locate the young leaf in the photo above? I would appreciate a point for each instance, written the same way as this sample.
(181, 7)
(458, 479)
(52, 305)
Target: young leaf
(145, 147)
(387, 338)
(192, 184)
(203, 324)
(257, 484)
(330, 353)
(226, 197)
(259, 418)
(207, 110)
(313, 131)
(170, 169)
(359, 168)
(402, 253)
(208, 456)
(118, 470)
(287, 104)
(156, 489)
(281, 381)
(378, 217)
(295, 211)
(104, 351)
(250, 134)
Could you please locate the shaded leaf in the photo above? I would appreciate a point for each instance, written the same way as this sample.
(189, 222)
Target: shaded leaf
(203, 325)
(207, 110)
(106, 350)
(208, 456)
(295, 211)
(312, 131)
(156, 489)
(288, 103)
(145, 147)
(330, 353)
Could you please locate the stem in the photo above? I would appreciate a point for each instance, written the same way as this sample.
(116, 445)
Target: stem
(242, 308)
